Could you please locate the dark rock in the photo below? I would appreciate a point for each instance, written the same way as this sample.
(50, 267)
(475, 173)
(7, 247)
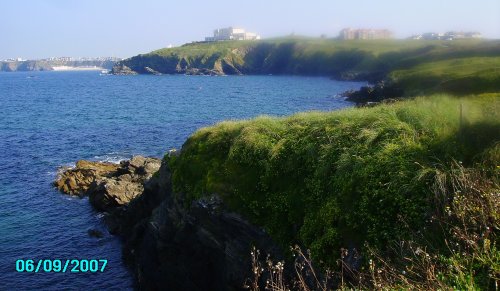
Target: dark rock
(376, 93)
(170, 244)
(174, 247)
(95, 233)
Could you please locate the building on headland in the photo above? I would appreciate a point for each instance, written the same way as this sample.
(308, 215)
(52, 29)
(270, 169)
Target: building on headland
(450, 35)
(349, 33)
(231, 33)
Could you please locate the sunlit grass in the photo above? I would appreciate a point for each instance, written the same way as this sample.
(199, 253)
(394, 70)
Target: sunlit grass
(321, 178)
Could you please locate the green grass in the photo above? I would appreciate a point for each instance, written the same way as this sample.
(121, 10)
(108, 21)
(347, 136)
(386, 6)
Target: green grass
(458, 76)
(328, 180)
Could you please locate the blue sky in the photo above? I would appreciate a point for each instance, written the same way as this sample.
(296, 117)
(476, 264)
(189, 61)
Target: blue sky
(44, 28)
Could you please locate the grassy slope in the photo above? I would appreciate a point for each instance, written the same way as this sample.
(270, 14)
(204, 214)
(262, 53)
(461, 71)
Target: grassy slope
(335, 179)
(458, 76)
(422, 62)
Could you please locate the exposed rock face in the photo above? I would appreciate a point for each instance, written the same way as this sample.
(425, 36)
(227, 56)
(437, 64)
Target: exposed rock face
(108, 185)
(203, 248)
(170, 246)
(122, 70)
(151, 71)
(202, 72)
(77, 181)
(377, 93)
(174, 247)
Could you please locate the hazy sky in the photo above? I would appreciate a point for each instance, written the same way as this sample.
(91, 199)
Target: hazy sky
(123, 28)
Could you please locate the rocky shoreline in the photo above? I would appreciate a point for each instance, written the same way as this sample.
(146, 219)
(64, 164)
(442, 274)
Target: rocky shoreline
(378, 90)
(168, 244)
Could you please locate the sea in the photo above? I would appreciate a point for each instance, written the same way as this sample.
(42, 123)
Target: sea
(49, 120)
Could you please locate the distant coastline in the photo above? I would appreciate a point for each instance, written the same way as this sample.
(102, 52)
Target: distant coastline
(57, 65)
(70, 68)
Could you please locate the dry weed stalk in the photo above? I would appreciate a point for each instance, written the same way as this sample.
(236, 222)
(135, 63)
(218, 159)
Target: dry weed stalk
(467, 214)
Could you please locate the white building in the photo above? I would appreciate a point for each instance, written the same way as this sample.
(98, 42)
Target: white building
(231, 33)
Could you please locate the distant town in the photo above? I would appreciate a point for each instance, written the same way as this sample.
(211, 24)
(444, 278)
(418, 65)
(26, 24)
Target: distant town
(233, 33)
(67, 59)
(450, 35)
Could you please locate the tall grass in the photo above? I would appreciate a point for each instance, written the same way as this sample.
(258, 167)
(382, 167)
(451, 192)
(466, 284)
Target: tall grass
(329, 180)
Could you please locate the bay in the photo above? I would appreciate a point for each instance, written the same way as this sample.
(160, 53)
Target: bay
(52, 119)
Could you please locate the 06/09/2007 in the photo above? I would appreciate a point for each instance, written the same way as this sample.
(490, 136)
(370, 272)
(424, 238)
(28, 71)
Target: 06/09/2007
(61, 266)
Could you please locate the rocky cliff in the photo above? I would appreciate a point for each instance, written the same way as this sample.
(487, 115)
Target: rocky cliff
(170, 245)
(396, 67)
(283, 56)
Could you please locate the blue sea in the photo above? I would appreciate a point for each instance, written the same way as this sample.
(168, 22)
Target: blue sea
(52, 119)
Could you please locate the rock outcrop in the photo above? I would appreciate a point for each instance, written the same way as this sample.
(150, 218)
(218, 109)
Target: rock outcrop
(170, 244)
(122, 70)
(76, 181)
(108, 185)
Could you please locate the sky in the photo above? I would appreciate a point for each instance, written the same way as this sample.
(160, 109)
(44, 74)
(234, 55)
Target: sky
(34, 29)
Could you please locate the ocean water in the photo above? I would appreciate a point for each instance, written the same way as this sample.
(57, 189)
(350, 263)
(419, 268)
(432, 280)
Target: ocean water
(52, 119)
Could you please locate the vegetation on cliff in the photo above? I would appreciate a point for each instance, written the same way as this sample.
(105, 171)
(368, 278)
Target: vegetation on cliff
(361, 177)
(403, 195)
(409, 66)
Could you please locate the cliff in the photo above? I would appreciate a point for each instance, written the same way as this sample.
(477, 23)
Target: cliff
(169, 244)
(408, 67)
(357, 180)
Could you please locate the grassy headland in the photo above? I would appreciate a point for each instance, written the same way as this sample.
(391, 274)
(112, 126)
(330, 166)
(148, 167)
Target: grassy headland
(414, 67)
(371, 175)
(413, 185)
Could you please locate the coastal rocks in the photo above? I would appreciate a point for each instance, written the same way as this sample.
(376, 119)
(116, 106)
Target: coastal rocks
(122, 70)
(203, 72)
(152, 71)
(108, 185)
(203, 248)
(95, 233)
(169, 243)
(377, 93)
(174, 247)
(76, 181)
(109, 193)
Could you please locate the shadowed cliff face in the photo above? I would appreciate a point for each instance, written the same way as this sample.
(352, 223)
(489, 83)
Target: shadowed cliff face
(169, 244)
(174, 247)
(254, 58)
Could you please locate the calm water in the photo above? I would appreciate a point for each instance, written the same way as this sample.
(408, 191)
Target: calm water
(49, 119)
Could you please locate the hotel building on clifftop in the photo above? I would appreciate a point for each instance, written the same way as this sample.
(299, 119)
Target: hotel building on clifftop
(231, 33)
